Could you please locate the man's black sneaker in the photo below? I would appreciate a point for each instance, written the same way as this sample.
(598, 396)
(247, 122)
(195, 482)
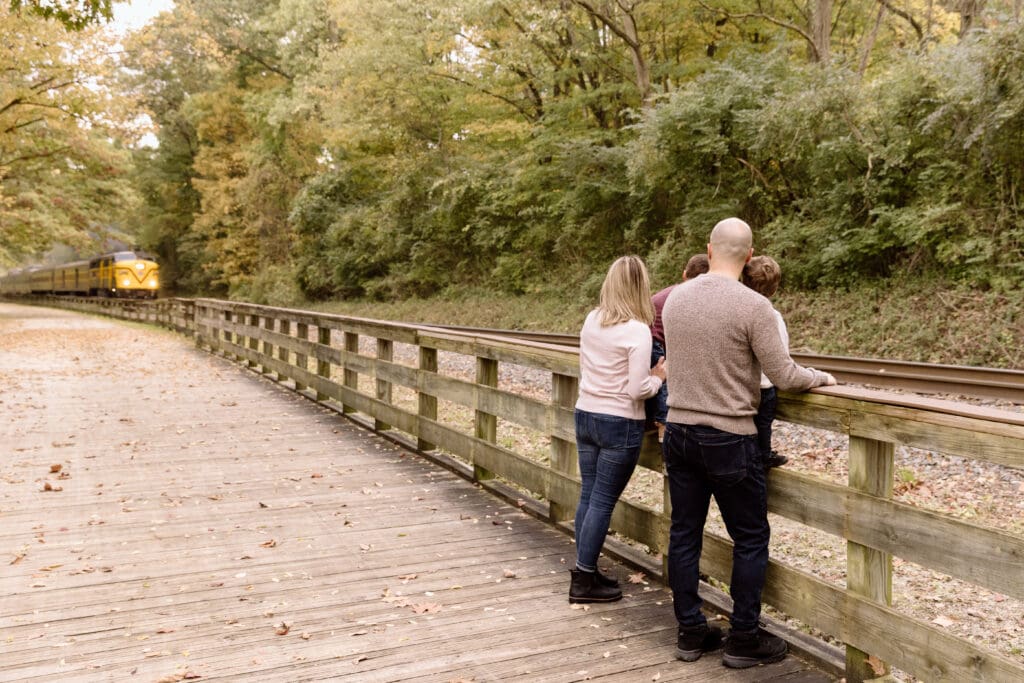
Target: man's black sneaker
(750, 648)
(694, 641)
(774, 459)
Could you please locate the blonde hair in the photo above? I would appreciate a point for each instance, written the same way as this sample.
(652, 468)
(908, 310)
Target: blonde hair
(626, 293)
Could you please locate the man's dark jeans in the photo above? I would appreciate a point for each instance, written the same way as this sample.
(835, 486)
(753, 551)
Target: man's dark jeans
(701, 462)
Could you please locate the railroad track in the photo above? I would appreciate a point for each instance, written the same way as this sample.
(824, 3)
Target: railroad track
(978, 382)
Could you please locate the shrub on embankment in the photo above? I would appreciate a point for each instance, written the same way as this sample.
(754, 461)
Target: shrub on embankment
(365, 150)
(918, 170)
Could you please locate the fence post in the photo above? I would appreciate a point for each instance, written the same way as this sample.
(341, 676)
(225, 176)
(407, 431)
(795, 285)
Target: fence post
(428, 403)
(385, 349)
(485, 424)
(564, 389)
(283, 353)
(301, 360)
(351, 377)
(254, 343)
(868, 571)
(268, 348)
(323, 367)
(228, 337)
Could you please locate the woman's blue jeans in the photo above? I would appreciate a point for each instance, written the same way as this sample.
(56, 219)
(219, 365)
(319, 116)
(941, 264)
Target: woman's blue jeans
(609, 447)
(702, 462)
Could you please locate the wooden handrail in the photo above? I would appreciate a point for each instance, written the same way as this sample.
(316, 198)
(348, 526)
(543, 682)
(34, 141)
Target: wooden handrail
(307, 347)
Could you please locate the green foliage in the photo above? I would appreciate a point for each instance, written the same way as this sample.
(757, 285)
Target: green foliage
(74, 15)
(397, 149)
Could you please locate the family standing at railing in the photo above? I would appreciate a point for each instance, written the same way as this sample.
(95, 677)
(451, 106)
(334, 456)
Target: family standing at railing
(726, 346)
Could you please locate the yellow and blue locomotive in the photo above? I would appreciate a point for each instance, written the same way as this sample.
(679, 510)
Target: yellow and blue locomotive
(127, 274)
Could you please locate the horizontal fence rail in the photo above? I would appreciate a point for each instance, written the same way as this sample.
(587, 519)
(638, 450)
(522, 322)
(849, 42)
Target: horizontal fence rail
(932, 378)
(320, 354)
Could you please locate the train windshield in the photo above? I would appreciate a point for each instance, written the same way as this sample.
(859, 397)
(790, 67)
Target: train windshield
(132, 256)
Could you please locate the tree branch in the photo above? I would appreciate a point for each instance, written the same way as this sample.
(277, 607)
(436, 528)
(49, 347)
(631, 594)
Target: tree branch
(22, 125)
(770, 19)
(532, 118)
(40, 155)
(607, 21)
(904, 15)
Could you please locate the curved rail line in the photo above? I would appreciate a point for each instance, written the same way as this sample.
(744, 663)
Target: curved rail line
(977, 382)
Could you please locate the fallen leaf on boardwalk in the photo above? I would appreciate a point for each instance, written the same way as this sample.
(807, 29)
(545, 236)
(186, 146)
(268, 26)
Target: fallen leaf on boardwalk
(304, 635)
(56, 468)
(268, 544)
(359, 633)
(509, 574)
(360, 658)
(50, 568)
(637, 578)
(656, 677)
(426, 608)
(50, 487)
(18, 558)
(585, 608)
(283, 628)
(406, 578)
(943, 620)
(877, 665)
(165, 630)
(367, 491)
(316, 475)
(364, 547)
(263, 505)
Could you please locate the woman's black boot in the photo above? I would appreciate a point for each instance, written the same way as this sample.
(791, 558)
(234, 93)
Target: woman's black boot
(606, 580)
(586, 587)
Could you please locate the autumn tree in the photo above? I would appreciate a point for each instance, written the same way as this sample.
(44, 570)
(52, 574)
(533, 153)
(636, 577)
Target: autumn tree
(62, 171)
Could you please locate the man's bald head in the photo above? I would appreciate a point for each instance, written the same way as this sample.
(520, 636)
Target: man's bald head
(730, 244)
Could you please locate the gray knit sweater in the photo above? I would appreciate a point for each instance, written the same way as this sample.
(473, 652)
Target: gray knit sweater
(719, 336)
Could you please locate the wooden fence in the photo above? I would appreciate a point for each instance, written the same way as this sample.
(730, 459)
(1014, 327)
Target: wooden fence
(320, 354)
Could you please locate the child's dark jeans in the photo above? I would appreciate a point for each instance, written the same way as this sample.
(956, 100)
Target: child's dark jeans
(656, 407)
(764, 418)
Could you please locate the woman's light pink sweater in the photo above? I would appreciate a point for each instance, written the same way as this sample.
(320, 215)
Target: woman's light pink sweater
(615, 368)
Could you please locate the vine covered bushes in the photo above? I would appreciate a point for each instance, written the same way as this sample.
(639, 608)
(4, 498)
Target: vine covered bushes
(396, 149)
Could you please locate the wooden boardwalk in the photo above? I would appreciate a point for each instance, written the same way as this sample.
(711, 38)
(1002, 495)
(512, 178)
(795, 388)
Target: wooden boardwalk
(165, 515)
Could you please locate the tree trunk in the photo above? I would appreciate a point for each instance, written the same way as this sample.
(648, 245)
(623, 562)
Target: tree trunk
(869, 40)
(821, 28)
(626, 30)
(970, 12)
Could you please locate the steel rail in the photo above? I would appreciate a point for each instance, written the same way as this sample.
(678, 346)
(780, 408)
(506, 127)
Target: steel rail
(963, 380)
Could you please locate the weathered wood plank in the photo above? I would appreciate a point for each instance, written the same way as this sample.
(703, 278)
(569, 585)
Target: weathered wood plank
(987, 557)
(906, 643)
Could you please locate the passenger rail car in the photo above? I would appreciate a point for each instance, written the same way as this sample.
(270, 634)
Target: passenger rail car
(126, 274)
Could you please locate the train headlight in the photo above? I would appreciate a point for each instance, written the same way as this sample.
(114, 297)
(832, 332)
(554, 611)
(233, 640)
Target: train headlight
(140, 266)
(125, 283)
(152, 282)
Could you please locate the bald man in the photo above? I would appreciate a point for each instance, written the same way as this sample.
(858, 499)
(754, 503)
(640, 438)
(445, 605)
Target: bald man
(720, 335)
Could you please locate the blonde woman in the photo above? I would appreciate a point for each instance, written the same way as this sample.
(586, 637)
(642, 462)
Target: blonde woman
(615, 378)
